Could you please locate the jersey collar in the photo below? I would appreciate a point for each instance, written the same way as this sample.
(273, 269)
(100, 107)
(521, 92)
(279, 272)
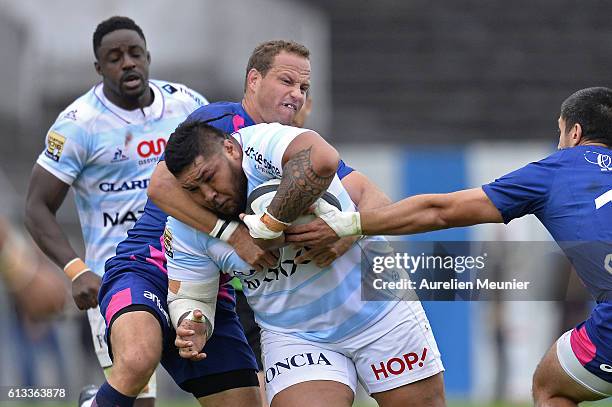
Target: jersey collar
(151, 113)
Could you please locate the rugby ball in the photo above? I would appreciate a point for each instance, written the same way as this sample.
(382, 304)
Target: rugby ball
(259, 199)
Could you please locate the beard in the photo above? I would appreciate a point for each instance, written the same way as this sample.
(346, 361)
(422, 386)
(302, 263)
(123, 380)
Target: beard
(239, 200)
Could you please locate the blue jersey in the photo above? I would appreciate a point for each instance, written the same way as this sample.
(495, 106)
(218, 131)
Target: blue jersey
(571, 194)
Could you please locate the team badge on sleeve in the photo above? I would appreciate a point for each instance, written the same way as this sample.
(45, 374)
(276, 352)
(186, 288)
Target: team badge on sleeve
(168, 242)
(55, 145)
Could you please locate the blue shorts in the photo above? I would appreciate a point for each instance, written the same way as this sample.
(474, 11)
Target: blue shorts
(229, 358)
(591, 342)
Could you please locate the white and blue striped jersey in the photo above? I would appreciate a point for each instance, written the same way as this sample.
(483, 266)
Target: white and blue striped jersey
(107, 154)
(322, 305)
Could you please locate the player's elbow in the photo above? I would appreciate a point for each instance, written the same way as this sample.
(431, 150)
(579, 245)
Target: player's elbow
(33, 210)
(161, 182)
(325, 162)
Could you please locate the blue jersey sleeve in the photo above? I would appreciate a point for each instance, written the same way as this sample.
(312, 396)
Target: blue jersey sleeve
(524, 191)
(343, 169)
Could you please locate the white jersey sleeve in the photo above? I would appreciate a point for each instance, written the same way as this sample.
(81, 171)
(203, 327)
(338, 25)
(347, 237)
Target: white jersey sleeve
(189, 97)
(66, 149)
(263, 146)
(186, 255)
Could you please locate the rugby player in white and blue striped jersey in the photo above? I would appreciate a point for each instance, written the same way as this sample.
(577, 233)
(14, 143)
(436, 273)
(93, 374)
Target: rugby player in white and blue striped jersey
(105, 146)
(318, 336)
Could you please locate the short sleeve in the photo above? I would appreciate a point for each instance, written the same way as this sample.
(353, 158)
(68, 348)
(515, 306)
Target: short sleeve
(186, 259)
(266, 146)
(196, 99)
(343, 170)
(66, 151)
(224, 256)
(524, 191)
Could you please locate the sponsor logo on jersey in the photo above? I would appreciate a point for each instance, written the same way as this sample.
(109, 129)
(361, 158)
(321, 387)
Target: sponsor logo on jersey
(295, 362)
(398, 365)
(147, 148)
(150, 150)
(285, 269)
(117, 218)
(608, 263)
(169, 88)
(168, 242)
(71, 115)
(118, 156)
(261, 163)
(149, 295)
(604, 161)
(193, 96)
(55, 145)
(606, 367)
(124, 186)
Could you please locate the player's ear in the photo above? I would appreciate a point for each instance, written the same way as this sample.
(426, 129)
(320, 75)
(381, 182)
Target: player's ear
(231, 149)
(252, 78)
(576, 134)
(98, 68)
(148, 57)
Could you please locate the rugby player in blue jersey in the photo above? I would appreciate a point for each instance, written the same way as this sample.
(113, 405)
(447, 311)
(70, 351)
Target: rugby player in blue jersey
(570, 192)
(105, 146)
(135, 280)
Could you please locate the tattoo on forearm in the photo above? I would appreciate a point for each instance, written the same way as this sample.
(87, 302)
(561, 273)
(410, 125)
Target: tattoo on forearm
(299, 188)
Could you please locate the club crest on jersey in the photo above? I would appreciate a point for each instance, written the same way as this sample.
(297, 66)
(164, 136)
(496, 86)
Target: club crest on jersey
(169, 88)
(118, 156)
(71, 115)
(55, 145)
(604, 161)
(168, 242)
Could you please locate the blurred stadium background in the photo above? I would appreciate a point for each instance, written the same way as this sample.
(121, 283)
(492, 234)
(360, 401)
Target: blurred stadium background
(420, 96)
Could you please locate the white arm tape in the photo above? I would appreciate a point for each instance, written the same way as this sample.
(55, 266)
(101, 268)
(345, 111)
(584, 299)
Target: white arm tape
(223, 229)
(258, 229)
(343, 223)
(194, 295)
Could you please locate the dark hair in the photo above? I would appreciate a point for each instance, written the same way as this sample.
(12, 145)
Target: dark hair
(113, 24)
(263, 55)
(190, 140)
(592, 109)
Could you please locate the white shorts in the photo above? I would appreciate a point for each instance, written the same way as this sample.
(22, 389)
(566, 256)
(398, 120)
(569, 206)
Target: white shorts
(98, 330)
(572, 366)
(397, 350)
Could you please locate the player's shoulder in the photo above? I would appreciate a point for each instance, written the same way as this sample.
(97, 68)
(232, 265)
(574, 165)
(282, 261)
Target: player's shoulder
(217, 109)
(272, 129)
(80, 114)
(179, 92)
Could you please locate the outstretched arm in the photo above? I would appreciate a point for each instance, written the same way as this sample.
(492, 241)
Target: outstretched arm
(416, 214)
(424, 213)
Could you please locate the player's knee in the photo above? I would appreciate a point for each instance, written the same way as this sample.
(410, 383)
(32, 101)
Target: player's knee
(539, 386)
(136, 367)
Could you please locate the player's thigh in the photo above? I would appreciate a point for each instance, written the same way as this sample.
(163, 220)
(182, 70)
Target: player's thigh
(136, 334)
(560, 374)
(243, 396)
(315, 393)
(398, 351)
(289, 362)
(428, 392)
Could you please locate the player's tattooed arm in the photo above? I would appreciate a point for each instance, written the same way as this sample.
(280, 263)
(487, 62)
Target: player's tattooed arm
(309, 165)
